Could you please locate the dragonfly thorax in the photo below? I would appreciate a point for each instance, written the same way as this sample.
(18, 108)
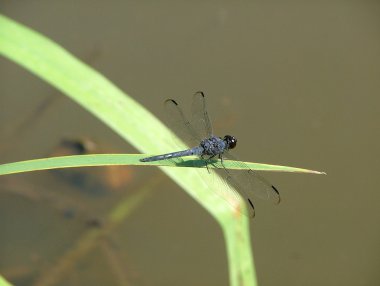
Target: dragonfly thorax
(213, 146)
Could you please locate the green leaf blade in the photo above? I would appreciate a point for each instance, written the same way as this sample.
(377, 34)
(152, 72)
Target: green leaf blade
(98, 160)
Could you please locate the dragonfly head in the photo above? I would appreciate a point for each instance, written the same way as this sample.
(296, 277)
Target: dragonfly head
(230, 141)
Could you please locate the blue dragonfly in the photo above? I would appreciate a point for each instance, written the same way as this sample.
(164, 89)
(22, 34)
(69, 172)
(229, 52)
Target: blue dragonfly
(197, 132)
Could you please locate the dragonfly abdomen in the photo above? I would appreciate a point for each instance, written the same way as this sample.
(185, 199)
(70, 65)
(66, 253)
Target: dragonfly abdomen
(194, 151)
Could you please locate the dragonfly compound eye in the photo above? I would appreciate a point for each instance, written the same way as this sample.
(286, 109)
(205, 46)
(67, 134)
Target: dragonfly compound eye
(231, 141)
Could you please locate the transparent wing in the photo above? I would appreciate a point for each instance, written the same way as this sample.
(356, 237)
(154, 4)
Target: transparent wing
(180, 125)
(251, 183)
(225, 187)
(200, 119)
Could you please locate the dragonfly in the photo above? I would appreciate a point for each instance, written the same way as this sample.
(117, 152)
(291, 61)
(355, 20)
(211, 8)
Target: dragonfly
(242, 182)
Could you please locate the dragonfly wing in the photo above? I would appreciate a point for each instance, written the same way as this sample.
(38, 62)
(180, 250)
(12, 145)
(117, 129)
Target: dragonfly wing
(251, 182)
(225, 188)
(180, 125)
(200, 119)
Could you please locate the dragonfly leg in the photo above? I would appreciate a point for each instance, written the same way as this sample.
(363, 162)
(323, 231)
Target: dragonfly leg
(207, 162)
(221, 159)
(221, 162)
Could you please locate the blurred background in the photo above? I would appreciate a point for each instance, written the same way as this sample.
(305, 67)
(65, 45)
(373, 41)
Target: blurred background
(297, 83)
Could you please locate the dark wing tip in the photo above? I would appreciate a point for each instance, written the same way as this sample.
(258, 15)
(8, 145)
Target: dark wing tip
(171, 100)
(278, 195)
(200, 92)
(252, 208)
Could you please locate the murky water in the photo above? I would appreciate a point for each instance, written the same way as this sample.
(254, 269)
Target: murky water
(297, 83)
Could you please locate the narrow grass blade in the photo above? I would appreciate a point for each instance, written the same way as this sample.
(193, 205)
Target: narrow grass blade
(4, 282)
(128, 159)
